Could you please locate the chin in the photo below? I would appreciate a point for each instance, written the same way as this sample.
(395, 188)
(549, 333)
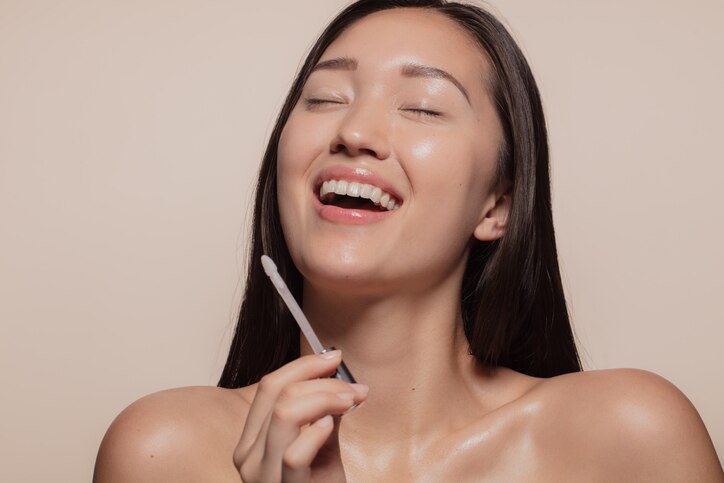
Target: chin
(342, 270)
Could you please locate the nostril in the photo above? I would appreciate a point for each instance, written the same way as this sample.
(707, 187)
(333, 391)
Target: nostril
(352, 150)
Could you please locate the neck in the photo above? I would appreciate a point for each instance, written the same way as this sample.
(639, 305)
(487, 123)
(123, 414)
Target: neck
(411, 350)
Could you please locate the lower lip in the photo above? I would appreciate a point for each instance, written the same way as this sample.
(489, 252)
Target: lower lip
(336, 214)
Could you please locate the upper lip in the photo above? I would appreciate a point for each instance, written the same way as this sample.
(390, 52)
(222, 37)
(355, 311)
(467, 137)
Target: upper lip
(359, 174)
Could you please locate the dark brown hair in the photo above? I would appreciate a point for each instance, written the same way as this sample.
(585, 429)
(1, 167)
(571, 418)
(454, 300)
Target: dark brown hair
(513, 306)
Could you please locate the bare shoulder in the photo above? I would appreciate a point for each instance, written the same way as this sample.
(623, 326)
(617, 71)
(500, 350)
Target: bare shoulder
(184, 434)
(628, 424)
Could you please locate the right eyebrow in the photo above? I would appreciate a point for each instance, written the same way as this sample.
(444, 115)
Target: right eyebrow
(338, 63)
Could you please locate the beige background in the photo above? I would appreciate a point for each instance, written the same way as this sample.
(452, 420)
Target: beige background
(130, 134)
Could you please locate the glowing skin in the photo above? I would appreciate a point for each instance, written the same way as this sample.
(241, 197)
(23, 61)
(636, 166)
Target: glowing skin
(368, 115)
(385, 288)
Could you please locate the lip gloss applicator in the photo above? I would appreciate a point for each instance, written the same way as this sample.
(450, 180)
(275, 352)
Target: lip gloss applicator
(271, 270)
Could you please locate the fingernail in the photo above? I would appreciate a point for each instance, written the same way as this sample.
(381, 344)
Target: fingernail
(345, 396)
(330, 354)
(325, 422)
(360, 388)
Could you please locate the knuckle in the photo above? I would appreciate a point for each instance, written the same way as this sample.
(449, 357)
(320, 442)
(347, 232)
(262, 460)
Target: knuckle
(247, 472)
(286, 393)
(281, 414)
(293, 460)
(240, 456)
(238, 459)
(266, 383)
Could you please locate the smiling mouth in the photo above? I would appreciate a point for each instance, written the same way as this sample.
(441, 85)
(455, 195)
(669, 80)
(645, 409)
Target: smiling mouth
(352, 195)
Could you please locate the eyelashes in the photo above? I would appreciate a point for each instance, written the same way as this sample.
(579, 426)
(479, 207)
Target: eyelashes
(315, 102)
(311, 103)
(424, 112)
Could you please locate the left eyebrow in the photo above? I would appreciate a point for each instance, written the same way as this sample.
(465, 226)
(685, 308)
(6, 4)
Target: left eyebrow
(419, 70)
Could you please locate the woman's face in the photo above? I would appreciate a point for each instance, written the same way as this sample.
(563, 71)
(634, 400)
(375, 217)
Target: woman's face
(397, 106)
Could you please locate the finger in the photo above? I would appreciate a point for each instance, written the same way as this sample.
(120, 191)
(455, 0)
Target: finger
(299, 456)
(289, 416)
(326, 384)
(249, 462)
(304, 388)
(304, 368)
(288, 400)
(328, 461)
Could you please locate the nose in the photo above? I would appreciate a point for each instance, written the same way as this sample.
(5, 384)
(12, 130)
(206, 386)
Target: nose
(364, 130)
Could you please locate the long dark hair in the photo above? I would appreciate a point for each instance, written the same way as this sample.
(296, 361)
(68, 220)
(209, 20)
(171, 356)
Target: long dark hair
(513, 306)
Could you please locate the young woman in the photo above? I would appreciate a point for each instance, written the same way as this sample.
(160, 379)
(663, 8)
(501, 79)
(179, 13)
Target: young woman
(405, 197)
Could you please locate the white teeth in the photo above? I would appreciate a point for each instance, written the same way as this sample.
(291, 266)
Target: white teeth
(359, 190)
(376, 195)
(385, 199)
(341, 187)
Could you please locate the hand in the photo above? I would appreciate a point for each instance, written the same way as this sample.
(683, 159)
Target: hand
(290, 433)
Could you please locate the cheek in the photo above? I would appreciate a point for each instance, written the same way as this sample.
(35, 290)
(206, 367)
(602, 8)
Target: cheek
(292, 150)
(303, 140)
(300, 143)
(451, 175)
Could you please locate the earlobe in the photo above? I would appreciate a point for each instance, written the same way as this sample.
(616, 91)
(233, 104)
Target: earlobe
(494, 222)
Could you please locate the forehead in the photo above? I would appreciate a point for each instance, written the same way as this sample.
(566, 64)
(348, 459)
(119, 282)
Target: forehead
(383, 40)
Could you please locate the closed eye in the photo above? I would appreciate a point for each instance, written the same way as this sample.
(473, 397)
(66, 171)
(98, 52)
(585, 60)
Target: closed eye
(316, 102)
(424, 112)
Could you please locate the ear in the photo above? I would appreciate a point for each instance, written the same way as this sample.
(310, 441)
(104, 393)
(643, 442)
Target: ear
(494, 218)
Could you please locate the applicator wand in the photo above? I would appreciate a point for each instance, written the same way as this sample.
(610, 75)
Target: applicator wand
(271, 270)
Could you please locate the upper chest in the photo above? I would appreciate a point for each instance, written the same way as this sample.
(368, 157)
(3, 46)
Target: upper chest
(531, 440)
(503, 447)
